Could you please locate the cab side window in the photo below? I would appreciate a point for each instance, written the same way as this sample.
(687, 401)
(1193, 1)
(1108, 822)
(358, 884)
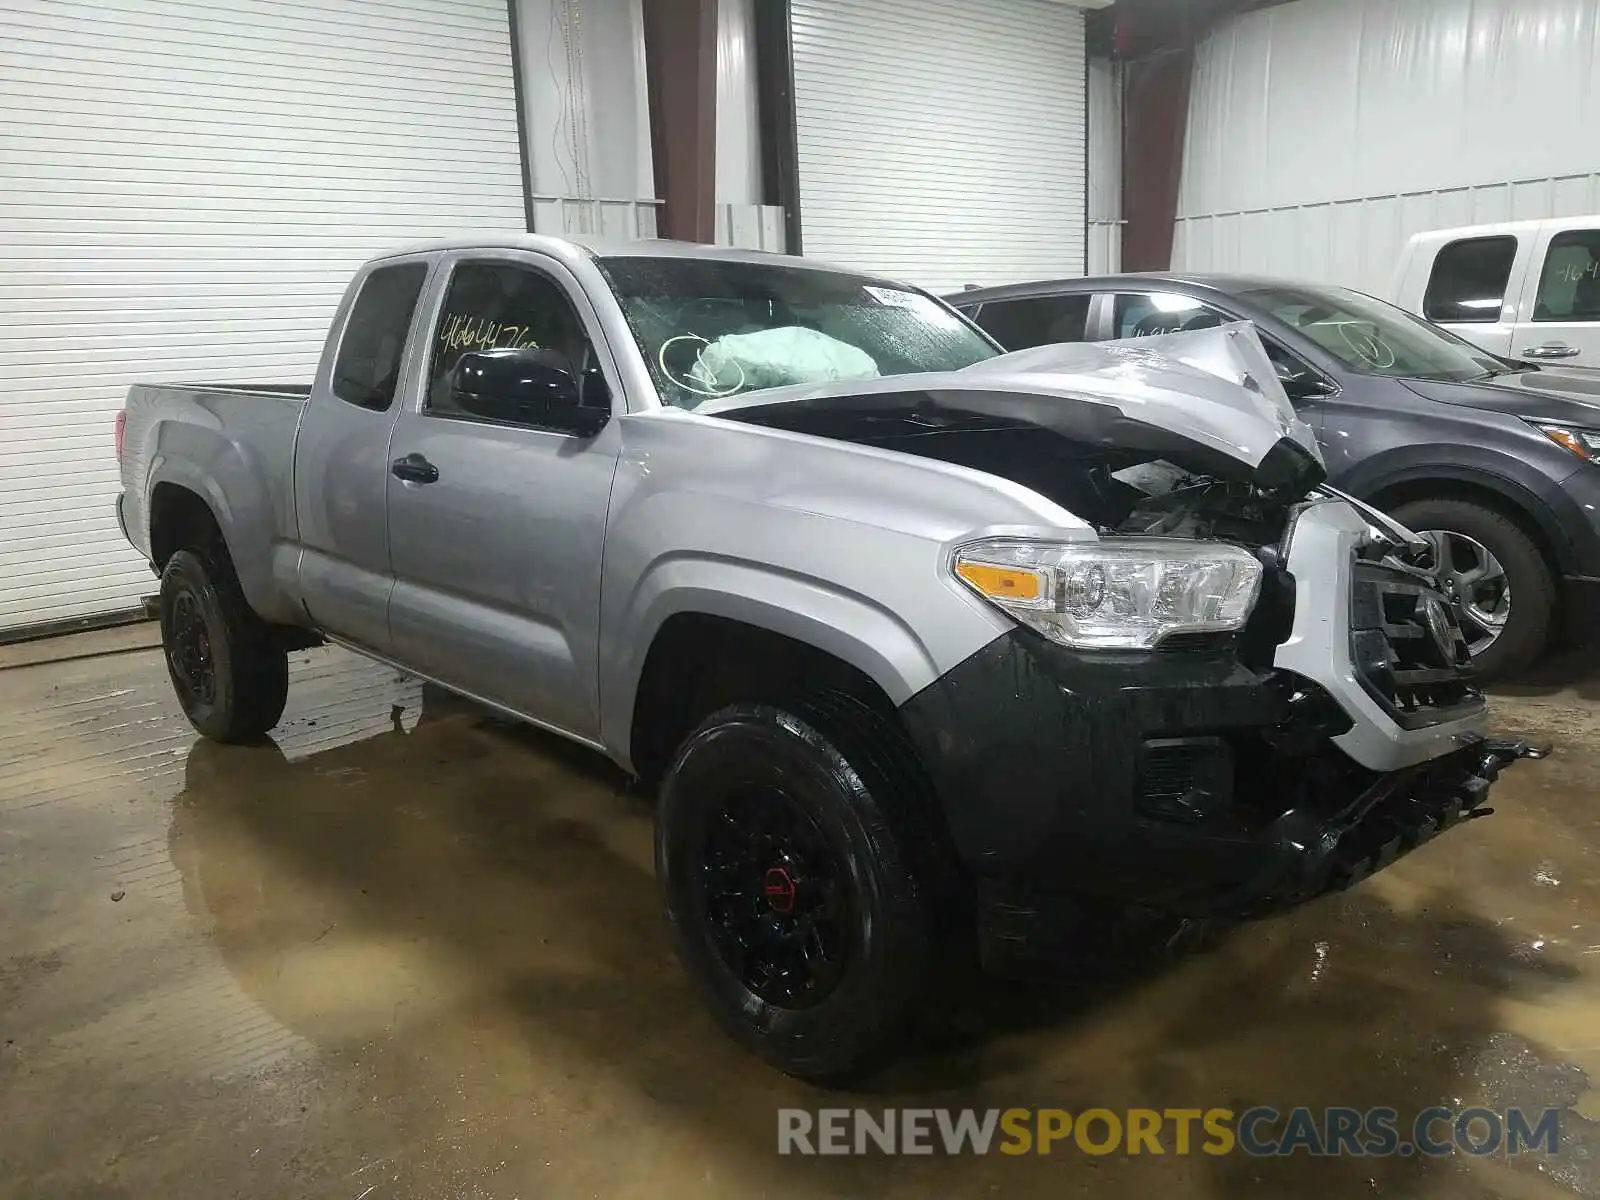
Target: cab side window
(1469, 280)
(502, 305)
(367, 369)
(1041, 321)
(1150, 314)
(1569, 288)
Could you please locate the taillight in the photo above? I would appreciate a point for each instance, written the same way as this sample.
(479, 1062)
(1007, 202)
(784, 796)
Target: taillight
(122, 427)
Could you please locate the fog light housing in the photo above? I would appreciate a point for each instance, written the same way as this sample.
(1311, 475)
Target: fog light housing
(1185, 780)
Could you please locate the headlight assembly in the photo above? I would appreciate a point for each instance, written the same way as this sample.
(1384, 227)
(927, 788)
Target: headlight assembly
(1122, 594)
(1585, 443)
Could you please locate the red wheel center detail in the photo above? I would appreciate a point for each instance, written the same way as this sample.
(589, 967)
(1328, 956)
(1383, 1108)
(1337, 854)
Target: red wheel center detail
(779, 889)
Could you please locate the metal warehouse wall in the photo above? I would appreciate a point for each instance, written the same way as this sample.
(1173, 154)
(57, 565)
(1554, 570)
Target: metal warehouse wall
(587, 117)
(586, 108)
(1323, 133)
(1105, 167)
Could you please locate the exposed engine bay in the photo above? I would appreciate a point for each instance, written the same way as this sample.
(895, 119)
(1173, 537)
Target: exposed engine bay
(1186, 436)
(1115, 489)
(1197, 507)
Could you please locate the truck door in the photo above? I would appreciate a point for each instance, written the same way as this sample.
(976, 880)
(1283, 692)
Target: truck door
(341, 459)
(496, 520)
(1560, 322)
(1474, 286)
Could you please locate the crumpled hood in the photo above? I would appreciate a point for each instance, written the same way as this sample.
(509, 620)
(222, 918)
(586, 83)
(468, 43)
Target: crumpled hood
(1214, 388)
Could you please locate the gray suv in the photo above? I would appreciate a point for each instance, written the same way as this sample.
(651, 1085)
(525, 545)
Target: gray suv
(1493, 461)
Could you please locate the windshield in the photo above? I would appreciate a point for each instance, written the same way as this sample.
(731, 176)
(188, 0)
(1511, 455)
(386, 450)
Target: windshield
(1372, 337)
(711, 328)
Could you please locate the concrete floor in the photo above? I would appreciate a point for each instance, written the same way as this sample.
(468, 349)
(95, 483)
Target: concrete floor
(414, 952)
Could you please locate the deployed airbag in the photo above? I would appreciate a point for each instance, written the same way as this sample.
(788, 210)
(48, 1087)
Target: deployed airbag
(789, 354)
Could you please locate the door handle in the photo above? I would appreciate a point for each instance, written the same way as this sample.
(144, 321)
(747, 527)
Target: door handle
(413, 468)
(1552, 350)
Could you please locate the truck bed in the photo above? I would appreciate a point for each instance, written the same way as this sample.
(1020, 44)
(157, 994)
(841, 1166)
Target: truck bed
(232, 440)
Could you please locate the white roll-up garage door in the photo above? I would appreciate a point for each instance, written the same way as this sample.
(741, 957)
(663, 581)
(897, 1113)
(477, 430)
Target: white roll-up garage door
(942, 141)
(185, 188)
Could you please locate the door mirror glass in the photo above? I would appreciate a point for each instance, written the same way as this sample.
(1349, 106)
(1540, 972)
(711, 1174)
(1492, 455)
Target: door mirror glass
(524, 387)
(1304, 387)
(1299, 381)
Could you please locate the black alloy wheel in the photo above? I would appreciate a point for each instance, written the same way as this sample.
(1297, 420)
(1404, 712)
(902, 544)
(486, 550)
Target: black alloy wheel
(189, 652)
(795, 877)
(777, 902)
(229, 668)
(1494, 575)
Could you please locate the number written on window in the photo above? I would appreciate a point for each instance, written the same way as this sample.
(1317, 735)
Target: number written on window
(500, 305)
(1569, 288)
(1151, 314)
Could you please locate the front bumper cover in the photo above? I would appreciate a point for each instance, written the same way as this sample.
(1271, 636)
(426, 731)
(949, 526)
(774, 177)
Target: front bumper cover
(1180, 781)
(1321, 853)
(1325, 540)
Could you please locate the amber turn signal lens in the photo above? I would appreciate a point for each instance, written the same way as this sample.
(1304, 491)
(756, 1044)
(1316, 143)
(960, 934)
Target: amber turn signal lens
(1585, 443)
(1002, 583)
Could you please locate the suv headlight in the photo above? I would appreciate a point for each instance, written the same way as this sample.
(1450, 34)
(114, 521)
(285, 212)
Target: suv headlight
(1126, 594)
(1585, 443)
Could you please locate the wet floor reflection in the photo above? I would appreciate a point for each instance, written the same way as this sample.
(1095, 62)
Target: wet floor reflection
(409, 948)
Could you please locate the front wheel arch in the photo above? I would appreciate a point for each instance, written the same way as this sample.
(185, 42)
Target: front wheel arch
(1511, 501)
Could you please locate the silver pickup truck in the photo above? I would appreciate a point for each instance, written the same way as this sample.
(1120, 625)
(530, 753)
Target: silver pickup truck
(926, 646)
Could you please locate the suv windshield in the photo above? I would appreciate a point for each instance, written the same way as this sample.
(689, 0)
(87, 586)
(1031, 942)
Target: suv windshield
(711, 328)
(1375, 338)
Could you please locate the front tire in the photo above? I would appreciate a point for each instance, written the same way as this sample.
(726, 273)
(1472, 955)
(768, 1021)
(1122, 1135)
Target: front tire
(787, 872)
(230, 672)
(1481, 549)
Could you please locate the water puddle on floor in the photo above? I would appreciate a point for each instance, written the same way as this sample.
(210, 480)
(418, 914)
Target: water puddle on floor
(409, 950)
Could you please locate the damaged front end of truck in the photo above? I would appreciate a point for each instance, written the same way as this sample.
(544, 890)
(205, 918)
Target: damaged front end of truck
(1231, 767)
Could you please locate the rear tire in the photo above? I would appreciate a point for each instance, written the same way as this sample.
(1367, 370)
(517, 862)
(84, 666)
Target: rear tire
(787, 870)
(228, 668)
(1532, 583)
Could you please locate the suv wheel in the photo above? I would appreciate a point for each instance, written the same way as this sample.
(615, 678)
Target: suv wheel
(786, 868)
(1501, 587)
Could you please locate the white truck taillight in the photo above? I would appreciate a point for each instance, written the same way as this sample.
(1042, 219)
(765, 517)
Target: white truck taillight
(122, 428)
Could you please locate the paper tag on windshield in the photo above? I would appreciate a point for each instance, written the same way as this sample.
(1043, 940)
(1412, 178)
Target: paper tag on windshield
(895, 298)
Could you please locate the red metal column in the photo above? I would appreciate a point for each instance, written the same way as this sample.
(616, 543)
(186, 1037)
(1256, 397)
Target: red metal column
(1155, 118)
(680, 43)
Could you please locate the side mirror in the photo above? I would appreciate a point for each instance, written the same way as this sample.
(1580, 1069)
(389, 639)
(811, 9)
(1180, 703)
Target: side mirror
(1306, 387)
(525, 387)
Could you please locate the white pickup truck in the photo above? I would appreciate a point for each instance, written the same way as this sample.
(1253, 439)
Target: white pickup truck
(1519, 289)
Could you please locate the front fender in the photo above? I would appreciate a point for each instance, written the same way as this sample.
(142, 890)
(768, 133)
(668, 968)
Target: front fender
(1523, 485)
(850, 627)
